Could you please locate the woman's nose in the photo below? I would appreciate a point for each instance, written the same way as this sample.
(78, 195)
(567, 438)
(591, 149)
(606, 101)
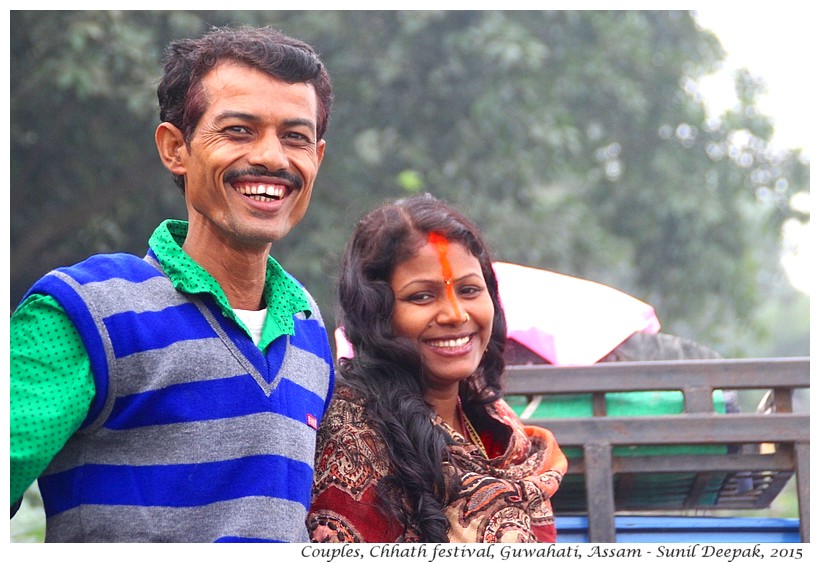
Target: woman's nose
(451, 314)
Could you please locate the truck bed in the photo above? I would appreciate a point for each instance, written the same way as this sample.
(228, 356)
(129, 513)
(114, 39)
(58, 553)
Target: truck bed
(709, 461)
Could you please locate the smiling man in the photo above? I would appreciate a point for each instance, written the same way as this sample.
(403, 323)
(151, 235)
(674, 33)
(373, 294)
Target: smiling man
(176, 397)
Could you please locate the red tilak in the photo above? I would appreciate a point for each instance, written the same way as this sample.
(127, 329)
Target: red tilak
(442, 244)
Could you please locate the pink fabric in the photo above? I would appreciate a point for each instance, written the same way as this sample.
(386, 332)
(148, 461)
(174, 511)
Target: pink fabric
(343, 347)
(566, 320)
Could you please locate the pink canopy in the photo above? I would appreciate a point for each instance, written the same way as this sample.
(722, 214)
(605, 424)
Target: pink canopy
(565, 320)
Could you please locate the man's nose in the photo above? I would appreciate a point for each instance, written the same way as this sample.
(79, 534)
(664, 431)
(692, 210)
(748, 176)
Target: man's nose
(269, 153)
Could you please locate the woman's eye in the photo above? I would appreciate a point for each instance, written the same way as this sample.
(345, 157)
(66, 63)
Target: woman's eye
(469, 291)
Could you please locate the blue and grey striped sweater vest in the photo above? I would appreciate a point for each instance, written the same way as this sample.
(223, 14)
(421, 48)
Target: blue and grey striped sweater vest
(195, 435)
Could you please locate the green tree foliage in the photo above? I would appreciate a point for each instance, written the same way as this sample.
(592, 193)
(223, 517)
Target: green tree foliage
(576, 140)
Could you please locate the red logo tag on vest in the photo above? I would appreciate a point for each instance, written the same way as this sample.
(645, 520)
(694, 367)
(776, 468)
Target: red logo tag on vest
(312, 422)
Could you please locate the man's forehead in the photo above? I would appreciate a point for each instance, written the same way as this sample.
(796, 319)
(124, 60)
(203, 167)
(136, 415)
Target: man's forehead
(234, 80)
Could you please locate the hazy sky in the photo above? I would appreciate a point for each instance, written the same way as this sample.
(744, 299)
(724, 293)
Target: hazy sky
(774, 44)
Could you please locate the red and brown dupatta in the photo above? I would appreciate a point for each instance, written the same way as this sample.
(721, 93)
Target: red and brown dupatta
(502, 499)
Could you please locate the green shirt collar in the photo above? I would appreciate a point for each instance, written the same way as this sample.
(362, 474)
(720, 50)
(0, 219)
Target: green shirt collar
(283, 296)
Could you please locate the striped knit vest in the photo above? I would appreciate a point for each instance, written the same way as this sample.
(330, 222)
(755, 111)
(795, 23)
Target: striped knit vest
(195, 435)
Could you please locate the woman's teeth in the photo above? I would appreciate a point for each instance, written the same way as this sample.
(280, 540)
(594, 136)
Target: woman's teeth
(451, 343)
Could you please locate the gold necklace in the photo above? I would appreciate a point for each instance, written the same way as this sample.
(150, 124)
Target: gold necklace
(471, 431)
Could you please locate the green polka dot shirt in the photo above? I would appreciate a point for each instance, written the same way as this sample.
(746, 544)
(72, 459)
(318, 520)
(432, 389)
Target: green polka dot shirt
(52, 386)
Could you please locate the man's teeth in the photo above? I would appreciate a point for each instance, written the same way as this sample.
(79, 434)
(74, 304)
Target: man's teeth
(262, 192)
(452, 343)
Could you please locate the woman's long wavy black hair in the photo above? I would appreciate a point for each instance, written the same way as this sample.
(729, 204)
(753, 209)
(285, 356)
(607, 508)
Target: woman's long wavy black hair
(388, 369)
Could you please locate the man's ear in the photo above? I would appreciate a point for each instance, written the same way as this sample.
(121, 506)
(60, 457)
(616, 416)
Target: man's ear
(172, 148)
(320, 151)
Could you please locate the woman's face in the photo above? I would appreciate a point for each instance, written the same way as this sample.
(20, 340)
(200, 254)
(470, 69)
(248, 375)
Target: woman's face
(442, 303)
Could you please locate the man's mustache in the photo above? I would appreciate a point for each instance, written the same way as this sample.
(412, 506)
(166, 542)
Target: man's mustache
(292, 179)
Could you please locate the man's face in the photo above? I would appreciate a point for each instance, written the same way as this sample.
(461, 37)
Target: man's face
(250, 166)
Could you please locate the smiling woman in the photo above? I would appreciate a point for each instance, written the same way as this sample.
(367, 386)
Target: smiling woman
(417, 444)
(443, 305)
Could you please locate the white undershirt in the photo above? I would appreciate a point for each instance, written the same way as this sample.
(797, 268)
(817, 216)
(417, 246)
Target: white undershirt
(254, 321)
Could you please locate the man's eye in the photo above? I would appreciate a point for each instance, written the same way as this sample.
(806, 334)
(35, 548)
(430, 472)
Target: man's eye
(298, 138)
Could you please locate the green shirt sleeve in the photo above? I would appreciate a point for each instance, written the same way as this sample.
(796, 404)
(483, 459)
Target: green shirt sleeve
(51, 387)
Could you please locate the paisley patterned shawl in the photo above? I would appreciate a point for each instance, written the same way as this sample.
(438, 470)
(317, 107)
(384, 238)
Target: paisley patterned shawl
(504, 498)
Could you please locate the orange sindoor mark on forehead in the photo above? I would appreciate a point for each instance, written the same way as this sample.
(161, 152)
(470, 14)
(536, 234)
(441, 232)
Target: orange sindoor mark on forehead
(442, 245)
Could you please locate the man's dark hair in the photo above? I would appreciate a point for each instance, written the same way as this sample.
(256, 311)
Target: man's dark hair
(187, 61)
